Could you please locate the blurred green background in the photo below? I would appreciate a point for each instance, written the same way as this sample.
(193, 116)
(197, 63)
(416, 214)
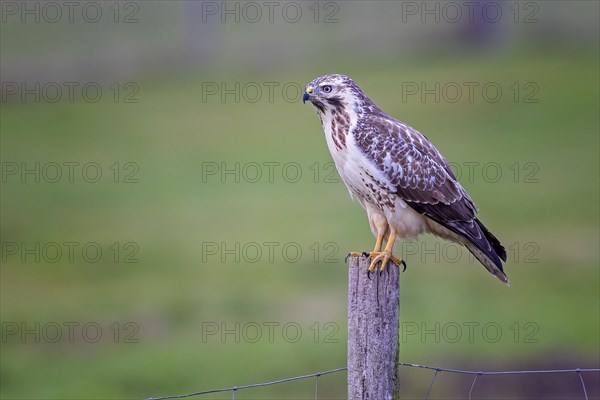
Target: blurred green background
(214, 272)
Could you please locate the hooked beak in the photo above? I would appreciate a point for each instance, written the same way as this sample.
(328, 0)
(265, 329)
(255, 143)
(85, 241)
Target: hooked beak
(307, 94)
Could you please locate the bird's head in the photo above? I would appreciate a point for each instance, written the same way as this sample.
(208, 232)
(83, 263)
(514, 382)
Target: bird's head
(330, 92)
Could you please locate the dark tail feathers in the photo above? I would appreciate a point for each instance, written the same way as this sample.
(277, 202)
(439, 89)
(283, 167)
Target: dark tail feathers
(494, 242)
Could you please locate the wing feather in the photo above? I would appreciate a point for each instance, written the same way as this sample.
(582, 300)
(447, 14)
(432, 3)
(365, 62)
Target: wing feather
(414, 167)
(422, 178)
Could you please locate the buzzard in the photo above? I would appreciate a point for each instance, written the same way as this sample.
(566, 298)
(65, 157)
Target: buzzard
(397, 175)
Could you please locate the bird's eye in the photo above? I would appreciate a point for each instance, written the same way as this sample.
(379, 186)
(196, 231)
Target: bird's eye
(326, 89)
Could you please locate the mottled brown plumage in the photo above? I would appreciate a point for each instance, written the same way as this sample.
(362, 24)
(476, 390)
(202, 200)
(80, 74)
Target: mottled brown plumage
(398, 176)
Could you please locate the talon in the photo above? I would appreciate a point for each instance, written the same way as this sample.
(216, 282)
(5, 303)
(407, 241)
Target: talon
(377, 257)
(352, 254)
(382, 257)
(373, 264)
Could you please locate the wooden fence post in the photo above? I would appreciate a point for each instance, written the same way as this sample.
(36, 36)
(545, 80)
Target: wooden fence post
(373, 342)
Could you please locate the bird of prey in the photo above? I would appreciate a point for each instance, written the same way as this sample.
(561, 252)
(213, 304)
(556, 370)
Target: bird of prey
(397, 175)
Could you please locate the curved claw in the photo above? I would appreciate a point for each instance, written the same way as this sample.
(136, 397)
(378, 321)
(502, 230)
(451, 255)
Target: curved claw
(352, 254)
(382, 258)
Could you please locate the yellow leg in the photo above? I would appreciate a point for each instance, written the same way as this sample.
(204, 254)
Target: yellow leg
(377, 249)
(386, 255)
(378, 244)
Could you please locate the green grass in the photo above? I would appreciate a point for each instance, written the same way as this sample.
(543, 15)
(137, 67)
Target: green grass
(171, 212)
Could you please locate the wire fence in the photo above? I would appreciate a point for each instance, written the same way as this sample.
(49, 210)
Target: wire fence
(437, 371)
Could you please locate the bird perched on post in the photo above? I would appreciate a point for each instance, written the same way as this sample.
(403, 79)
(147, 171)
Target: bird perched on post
(397, 175)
